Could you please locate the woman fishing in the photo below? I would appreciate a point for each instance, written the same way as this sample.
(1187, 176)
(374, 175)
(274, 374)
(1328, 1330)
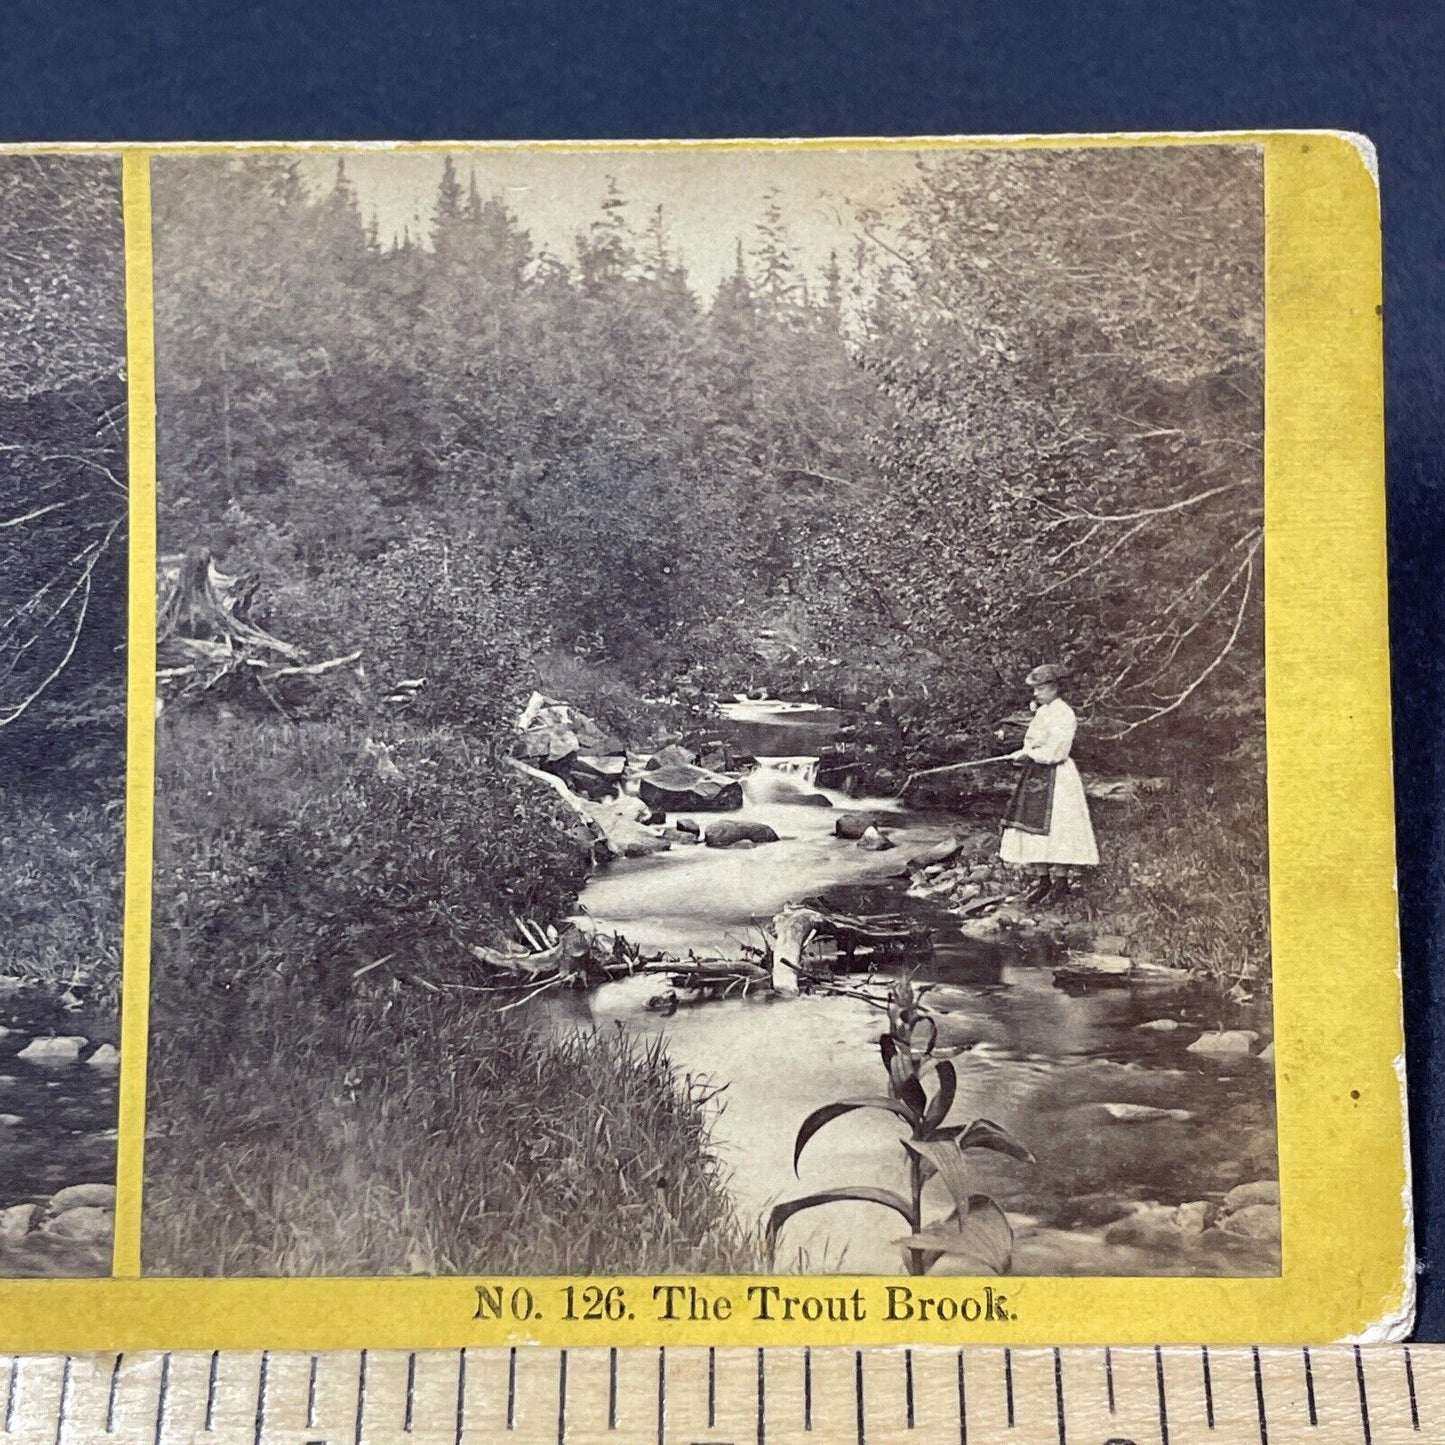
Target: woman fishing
(1046, 827)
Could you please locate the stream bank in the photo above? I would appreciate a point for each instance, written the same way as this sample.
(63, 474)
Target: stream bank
(1149, 1106)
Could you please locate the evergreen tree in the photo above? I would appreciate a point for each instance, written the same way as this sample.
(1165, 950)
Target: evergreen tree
(605, 253)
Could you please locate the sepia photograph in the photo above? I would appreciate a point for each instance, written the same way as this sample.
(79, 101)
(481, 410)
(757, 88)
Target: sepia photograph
(710, 712)
(63, 557)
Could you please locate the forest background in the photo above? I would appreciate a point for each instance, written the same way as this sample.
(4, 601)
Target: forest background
(1024, 423)
(63, 535)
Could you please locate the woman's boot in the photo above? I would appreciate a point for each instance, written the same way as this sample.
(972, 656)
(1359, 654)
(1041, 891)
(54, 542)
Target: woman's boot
(1040, 890)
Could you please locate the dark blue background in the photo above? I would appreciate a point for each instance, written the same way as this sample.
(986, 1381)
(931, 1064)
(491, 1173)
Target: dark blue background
(544, 68)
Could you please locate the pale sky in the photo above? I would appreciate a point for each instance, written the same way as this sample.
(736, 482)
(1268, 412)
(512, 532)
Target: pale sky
(711, 197)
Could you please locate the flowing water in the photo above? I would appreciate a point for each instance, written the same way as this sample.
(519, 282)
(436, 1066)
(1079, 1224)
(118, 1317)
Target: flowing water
(1119, 1118)
(57, 1128)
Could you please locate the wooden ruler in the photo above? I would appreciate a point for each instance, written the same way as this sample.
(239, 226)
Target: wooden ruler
(1328, 1395)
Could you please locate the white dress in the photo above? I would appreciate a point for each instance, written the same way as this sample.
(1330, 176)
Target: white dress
(1070, 838)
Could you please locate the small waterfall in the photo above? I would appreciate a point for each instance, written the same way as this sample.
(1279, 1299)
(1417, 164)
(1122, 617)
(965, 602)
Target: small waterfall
(802, 770)
(775, 778)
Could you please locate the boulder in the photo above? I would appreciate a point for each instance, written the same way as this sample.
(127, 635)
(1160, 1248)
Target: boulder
(596, 776)
(1242, 1196)
(853, 825)
(728, 831)
(551, 732)
(1224, 1042)
(87, 1223)
(680, 836)
(1139, 1113)
(1266, 1054)
(807, 800)
(674, 755)
(1193, 1218)
(1094, 965)
(9, 1121)
(1153, 1224)
(78, 1196)
(936, 855)
(1254, 1221)
(107, 1056)
(688, 825)
(874, 841)
(17, 1221)
(64, 1049)
(1159, 1026)
(680, 787)
(836, 773)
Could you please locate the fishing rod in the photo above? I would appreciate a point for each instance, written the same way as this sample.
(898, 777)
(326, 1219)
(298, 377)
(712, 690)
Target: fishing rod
(951, 768)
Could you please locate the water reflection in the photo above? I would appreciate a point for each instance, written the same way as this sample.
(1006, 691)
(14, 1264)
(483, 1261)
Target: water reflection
(1122, 1118)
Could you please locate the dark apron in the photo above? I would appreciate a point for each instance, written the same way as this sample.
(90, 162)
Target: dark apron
(1031, 808)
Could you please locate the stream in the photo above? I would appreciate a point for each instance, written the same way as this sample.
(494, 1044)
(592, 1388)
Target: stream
(1126, 1123)
(57, 1129)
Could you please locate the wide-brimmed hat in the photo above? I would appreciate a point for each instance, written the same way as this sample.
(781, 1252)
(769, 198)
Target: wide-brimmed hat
(1048, 672)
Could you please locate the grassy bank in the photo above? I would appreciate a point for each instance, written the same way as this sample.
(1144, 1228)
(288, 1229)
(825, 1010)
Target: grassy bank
(1188, 869)
(61, 866)
(328, 1094)
(443, 1137)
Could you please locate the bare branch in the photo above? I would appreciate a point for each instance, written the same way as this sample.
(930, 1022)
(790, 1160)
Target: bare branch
(40, 512)
(1219, 657)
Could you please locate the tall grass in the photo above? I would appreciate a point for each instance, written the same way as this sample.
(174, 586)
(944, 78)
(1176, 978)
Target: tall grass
(1190, 865)
(61, 879)
(327, 1093)
(447, 1139)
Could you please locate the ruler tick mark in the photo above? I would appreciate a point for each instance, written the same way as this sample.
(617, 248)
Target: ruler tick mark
(908, 1386)
(962, 1404)
(311, 1394)
(1410, 1385)
(1208, 1386)
(858, 1391)
(1059, 1394)
(1259, 1397)
(360, 1395)
(462, 1392)
(562, 1397)
(261, 1396)
(1008, 1384)
(1109, 1377)
(10, 1391)
(1163, 1404)
(1310, 1387)
(711, 1387)
(406, 1420)
(64, 1399)
(1364, 1398)
(612, 1389)
(512, 1388)
(211, 1390)
(110, 1398)
(807, 1388)
(762, 1402)
(661, 1393)
(164, 1397)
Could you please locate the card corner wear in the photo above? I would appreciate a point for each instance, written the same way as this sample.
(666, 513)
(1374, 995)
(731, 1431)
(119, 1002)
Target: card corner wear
(744, 745)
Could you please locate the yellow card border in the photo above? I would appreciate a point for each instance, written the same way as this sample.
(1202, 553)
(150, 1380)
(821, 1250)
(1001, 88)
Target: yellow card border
(1347, 1260)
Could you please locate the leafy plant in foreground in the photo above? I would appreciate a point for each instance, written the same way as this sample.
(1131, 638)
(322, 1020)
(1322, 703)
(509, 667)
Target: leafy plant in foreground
(974, 1229)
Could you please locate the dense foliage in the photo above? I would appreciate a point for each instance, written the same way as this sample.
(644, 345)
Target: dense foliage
(1021, 419)
(62, 569)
